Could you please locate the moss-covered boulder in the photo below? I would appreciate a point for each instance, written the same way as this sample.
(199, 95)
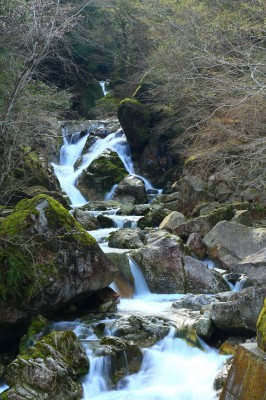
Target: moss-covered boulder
(134, 118)
(47, 261)
(102, 174)
(48, 370)
(261, 328)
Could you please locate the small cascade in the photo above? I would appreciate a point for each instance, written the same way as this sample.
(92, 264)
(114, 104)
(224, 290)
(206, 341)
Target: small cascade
(103, 86)
(238, 284)
(141, 287)
(171, 370)
(98, 379)
(110, 194)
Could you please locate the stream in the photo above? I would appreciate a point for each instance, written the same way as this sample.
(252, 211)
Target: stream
(171, 369)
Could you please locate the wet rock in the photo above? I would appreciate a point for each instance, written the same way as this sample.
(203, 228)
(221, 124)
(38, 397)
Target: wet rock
(104, 221)
(194, 302)
(200, 225)
(103, 301)
(131, 190)
(48, 370)
(204, 326)
(154, 217)
(53, 262)
(229, 243)
(197, 246)
(124, 280)
(101, 175)
(125, 356)
(127, 239)
(145, 331)
(221, 376)
(107, 205)
(172, 221)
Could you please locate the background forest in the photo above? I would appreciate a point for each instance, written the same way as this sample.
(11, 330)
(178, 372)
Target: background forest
(195, 69)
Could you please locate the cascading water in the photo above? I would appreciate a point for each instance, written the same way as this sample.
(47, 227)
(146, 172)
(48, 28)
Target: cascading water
(71, 151)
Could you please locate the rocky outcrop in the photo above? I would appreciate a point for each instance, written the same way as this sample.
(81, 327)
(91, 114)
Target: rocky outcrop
(229, 243)
(48, 370)
(131, 190)
(47, 262)
(247, 376)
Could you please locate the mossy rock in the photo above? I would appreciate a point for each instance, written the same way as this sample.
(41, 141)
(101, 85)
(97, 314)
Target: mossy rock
(135, 119)
(261, 328)
(48, 261)
(35, 330)
(102, 174)
(55, 363)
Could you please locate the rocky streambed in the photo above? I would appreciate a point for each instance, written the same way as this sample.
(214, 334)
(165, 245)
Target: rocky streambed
(156, 249)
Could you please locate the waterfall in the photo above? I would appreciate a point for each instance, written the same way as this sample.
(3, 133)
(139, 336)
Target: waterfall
(71, 152)
(98, 379)
(103, 86)
(141, 287)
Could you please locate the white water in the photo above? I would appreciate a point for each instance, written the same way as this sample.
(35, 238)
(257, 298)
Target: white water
(141, 287)
(103, 86)
(71, 151)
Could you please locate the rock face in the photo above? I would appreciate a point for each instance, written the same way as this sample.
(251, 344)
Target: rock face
(47, 261)
(254, 266)
(131, 190)
(102, 174)
(48, 370)
(261, 328)
(247, 376)
(229, 243)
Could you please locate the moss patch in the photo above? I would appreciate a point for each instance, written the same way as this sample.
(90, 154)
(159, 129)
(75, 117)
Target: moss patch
(261, 328)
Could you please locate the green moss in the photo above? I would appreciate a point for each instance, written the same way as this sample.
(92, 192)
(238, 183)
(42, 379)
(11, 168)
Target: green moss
(38, 325)
(27, 257)
(261, 328)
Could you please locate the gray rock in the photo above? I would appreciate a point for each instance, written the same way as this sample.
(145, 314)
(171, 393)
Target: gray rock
(204, 325)
(229, 243)
(131, 190)
(86, 220)
(254, 266)
(243, 217)
(126, 239)
(200, 225)
(197, 246)
(194, 302)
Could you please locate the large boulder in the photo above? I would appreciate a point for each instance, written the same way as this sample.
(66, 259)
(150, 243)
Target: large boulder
(134, 118)
(241, 312)
(200, 279)
(197, 246)
(131, 190)
(47, 261)
(254, 266)
(101, 175)
(229, 243)
(161, 261)
(49, 370)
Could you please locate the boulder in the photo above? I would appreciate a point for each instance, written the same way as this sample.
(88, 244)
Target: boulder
(124, 280)
(200, 225)
(253, 266)
(229, 243)
(49, 370)
(172, 221)
(194, 302)
(193, 190)
(243, 217)
(170, 201)
(261, 328)
(241, 312)
(134, 118)
(131, 190)
(145, 331)
(154, 217)
(247, 376)
(202, 280)
(161, 261)
(126, 239)
(197, 246)
(103, 205)
(101, 175)
(47, 262)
